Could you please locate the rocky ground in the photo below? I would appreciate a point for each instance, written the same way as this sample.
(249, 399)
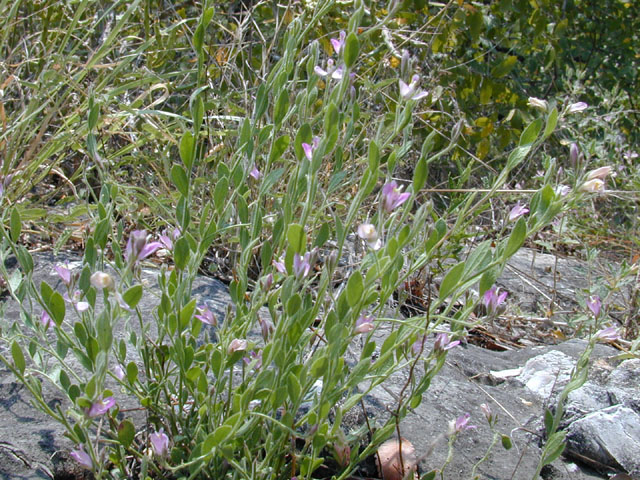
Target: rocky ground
(517, 373)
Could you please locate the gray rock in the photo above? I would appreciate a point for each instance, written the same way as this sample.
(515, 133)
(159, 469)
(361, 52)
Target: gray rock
(608, 437)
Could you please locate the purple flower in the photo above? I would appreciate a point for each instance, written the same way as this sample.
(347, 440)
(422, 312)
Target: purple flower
(573, 154)
(255, 173)
(237, 345)
(517, 211)
(159, 443)
(334, 72)
(266, 327)
(81, 457)
(411, 92)
(364, 324)
(594, 304)
(118, 372)
(253, 355)
(443, 343)
(608, 334)
(280, 266)
(100, 407)
(301, 265)
(76, 302)
(206, 316)
(167, 240)
(493, 298)
(461, 424)
(368, 233)
(488, 414)
(309, 148)
(418, 345)
(266, 282)
(138, 247)
(64, 273)
(46, 320)
(577, 107)
(338, 43)
(392, 196)
(562, 190)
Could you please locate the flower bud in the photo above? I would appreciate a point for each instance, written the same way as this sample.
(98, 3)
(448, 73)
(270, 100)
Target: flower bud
(102, 280)
(577, 107)
(600, 173)
(593, 186)
(538, 103)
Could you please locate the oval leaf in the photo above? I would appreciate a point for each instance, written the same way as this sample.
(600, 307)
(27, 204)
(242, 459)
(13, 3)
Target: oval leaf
(451, 279)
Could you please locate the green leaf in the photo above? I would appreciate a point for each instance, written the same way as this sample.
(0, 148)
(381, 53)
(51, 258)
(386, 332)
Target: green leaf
(450, 281)
(374, 155)
(102, 232)
(553, 448)
(504, 67)
(294, 388)
(262, 101)
(548, 422)
(186, 149)
(355, 287)
(25, 259)
(516, 239)
(323, 235)
(279, 147)
(282, 106)
(331, 117)
(220, 193)
(132, 372)
(351, 49)
(506, 442)
(420, 175)
(552, 121)
(133, 295)
(516, 156)
(297, 238)
(18, 357)
(530, 133)
(126, 432)
(15, 224)
(179, 177)
(197, 113)
(181, 253)
(57, 307)
(294, 304)
(487, 280)
(216, 438)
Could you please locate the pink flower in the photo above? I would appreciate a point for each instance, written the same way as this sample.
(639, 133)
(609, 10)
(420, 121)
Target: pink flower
(562, 190)
(334, 72)
(368, 233)
(309, 148)
(461, 424)
(443, 343)
(167, 240)
(100, 407)
(418, 345)
(279, 264)
(159, 443)
(517, 211)
(81, 306)
(594, 304)
(118, 372)
(301, 265)
(255, 173)
(493, 298)
(600, 173)
(64, 273)
(266, 327)
(253, 356)
(237, 345)
(338, 43)
(488, 414)
(82, 458)
(608, 334)
(392, 196)
(138, 247)
(364, 324)
(46, 320)
(411, 92)
(206, 316)
(577, 107)
(593, 186)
